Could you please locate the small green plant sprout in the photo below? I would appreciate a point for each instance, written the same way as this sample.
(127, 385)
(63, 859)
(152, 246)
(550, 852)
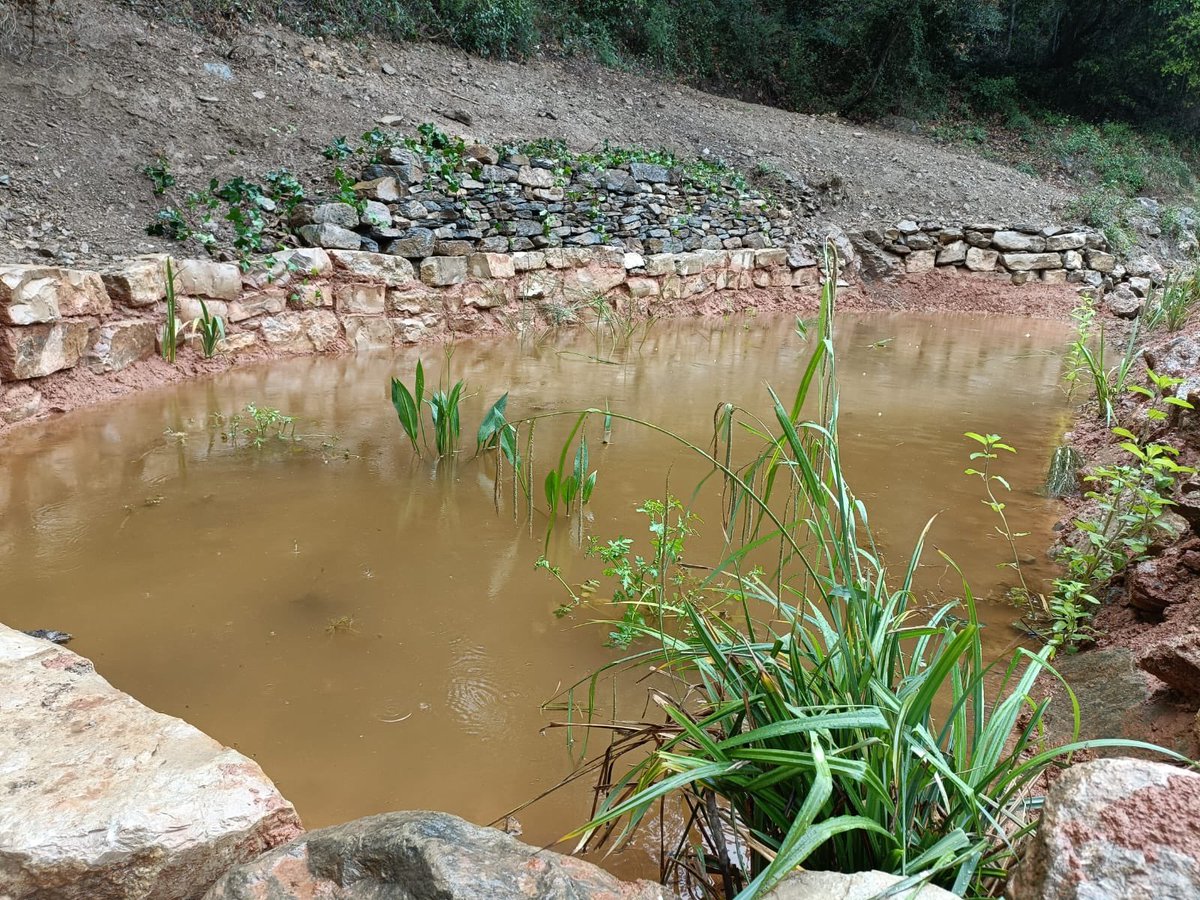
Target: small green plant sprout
(447, 424)
(338, 149)
(170, 330)
(210, 328)
(1163, 392)
(267, 423)
(160, 175)
(986, 457)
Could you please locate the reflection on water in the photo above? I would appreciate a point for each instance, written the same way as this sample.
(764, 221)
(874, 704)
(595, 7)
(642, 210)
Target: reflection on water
(207, 579)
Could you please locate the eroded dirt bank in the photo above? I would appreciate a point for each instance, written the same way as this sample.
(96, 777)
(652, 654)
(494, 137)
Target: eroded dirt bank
(107, 92)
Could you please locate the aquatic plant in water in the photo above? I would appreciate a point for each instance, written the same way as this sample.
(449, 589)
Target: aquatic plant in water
(813, 713)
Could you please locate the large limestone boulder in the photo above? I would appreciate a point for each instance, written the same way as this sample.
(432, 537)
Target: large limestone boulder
(115, 345)
(104, 798)
(137, 282)
(35, 351)
(859, 886)
(32, 295)
(205, 278)
(1117, 829)
(421, 856)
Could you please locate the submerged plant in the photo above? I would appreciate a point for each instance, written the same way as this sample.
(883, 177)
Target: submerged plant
(445, 416)
(813, 714)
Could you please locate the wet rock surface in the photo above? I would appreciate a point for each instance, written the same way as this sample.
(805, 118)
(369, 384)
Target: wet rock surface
(104, 799)
(421, 856)
(859, 886)
(1116, 829)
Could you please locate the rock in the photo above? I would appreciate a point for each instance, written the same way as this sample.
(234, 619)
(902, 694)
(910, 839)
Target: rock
(18, 403)
(204, 278)
(980, 260)
(620, 181)
(265, 302)
(190, 308)
(483, 154)
(1154, 585)
(439, 271)
(360, 298)
(341, 214)
(368, 332)
(235, 343)
(106, 799)
(453, 248)
(803, 885)
(649, 173)
(28, 295)
(313, 330)
(528, 260)
(1145, 266)
(920, 241)
(1179, 358)
(766, 258)
(1114, 829)
(1101, 261)
(330, 236)
(920, 261)
(1016, 241)
(37, 294)
(376, 214)
(421, 855)
(799, 258)
(381, 267)
(1141, 286)
(1054, 276)
(137, 283)
(633, 260)
(491, 265)
(1175, 660)
(413, 244)
(1123, 303)
(642, 287)
(1072, 260)
(537, 178)
(1073, 240)
(34, 351)
(382, 190)
(486, 295)
(952, 253)
(1031, 262)
(115, 345)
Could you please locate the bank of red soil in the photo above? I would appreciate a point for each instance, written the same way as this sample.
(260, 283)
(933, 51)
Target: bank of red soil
(1149, 624)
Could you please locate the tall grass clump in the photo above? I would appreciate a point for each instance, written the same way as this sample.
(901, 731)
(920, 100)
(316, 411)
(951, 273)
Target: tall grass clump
(814, 712)
(1174, 305)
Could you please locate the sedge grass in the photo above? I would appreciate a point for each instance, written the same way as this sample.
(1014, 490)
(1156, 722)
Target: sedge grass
(814, 715)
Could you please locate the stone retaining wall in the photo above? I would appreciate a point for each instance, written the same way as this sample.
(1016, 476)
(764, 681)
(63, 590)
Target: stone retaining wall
(310, 300)
(516, 203)
(1055, 254)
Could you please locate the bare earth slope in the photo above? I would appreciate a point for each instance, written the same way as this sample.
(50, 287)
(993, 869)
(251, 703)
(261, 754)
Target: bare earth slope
(106, 91)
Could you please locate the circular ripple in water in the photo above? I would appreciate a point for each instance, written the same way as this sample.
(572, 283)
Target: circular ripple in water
(473, 695)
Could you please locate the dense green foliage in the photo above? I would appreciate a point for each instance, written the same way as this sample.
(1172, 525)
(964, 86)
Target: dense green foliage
(1130, 59)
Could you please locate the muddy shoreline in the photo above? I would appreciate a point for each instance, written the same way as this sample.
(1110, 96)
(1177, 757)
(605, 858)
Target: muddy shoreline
(938, 291)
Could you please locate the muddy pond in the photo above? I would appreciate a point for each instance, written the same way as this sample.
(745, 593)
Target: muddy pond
(371, 630)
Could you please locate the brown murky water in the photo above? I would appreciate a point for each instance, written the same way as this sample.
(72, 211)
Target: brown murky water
(203, 578)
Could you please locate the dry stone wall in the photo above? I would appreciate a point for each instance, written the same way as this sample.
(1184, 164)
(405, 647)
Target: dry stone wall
(319, 299)
(517, 203)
